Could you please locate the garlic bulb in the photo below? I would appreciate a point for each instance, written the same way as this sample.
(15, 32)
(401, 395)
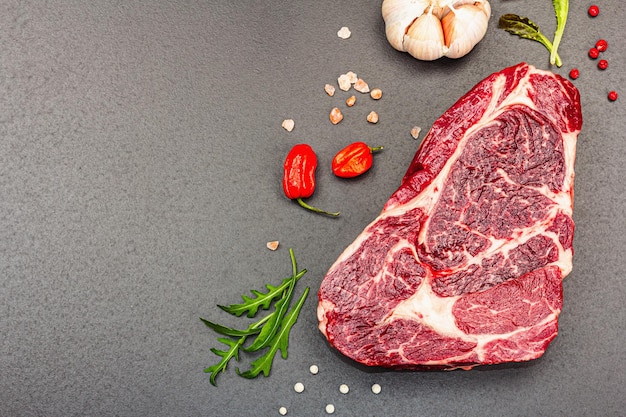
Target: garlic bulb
(431, 29)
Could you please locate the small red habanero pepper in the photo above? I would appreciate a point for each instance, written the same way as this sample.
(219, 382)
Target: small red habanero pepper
(354, 160)
(299, 176)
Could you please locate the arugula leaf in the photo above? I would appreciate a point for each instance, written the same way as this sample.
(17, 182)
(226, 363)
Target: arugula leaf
(226, 355)
(261, 300)
(527, 29)
(272, 330)
(269, 330)
(280, 341)
(561, 8)
(229, 331)
(235, 345)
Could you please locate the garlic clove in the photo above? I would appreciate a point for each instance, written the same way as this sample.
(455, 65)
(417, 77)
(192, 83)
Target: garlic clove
(464, 27)
(398, 16)
(425, 38)
(416, 26)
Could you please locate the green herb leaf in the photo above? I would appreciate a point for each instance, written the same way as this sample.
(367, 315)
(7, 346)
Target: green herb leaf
(235, 345)
(261, 300)
(524, 28)
(227, 355)
(561, 8)
(229, 331)
(527, 29)
(269, 330)
(280, 341)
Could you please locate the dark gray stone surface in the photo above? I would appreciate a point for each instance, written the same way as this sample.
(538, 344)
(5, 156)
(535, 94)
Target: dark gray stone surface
(140, 168)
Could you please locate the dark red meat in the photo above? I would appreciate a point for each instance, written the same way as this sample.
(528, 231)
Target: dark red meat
(464, 264)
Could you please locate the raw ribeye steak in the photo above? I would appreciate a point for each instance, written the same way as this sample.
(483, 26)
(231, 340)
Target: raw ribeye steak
(463, 266)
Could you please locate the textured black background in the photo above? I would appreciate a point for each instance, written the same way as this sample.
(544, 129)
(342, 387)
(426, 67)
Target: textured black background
(140, 168)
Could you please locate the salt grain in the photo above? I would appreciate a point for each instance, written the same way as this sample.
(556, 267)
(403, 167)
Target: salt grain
(344, 33)
(415, 132)
(372, 117)
(376, 93)
(330, 89)
(352, 76)
(350, 101)
(361, 86)
(288, 124)
(335, 115)
(344, 82)
(273, 245)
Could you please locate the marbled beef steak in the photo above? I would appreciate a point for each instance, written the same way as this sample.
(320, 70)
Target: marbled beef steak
(463, 266)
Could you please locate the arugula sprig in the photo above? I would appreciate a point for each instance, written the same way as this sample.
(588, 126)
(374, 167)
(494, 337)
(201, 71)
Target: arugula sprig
(527, 29)
(254, 328)
(235, 345)
(262, 300)
(280, 341)
(271, 331)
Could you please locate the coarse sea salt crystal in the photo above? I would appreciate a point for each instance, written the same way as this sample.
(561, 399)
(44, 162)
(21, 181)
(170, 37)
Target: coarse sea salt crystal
(376, 93)
(344, 82)
(415, 132)
(361, 86)
(288, 124)
(372, 117)
(344, 33)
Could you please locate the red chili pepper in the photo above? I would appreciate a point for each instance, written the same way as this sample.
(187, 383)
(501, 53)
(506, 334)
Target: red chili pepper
(594, 10)
(299, 176)
(354, 160)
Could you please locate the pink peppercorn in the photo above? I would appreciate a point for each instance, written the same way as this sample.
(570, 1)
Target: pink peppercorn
(594, 10)
(601, 45)
(574, 73)
(613, 95)
(603, 64)
(594, 53)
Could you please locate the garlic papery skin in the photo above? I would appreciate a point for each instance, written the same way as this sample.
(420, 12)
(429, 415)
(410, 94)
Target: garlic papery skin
(431, 29)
